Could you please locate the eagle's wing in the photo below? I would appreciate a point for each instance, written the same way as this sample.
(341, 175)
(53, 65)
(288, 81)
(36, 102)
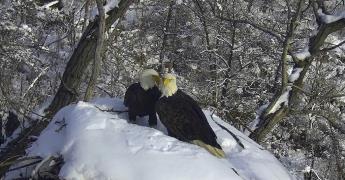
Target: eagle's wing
(154, 93)
(134, 95)
(129, 95)
(198, 122)
(185, 119)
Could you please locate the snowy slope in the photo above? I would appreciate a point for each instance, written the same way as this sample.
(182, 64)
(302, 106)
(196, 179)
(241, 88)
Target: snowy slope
(103, 145)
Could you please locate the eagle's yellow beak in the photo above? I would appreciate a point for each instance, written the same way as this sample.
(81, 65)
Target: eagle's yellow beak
(156, 79)
(165, 82)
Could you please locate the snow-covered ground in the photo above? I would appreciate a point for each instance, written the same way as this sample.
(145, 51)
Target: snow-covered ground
(100, 145)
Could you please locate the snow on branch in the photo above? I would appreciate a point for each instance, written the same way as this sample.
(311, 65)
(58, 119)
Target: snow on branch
(282, 100)
(295, 74)
(254, 25)
(46, 6)
(109, 6)
(284, 97)
(334, 47)
(279, 107)
(330, 18)
(302, 54)
(35, 80)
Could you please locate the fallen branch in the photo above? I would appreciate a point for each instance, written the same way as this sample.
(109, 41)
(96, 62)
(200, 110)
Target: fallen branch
(111, 110)
(48, 168)
(23, 166)
(35, 80)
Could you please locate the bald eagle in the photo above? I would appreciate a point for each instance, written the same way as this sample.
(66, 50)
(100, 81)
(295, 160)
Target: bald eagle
(140, 98)
(184, 119)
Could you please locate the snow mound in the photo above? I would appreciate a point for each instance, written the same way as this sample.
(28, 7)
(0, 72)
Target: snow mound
(102, 145)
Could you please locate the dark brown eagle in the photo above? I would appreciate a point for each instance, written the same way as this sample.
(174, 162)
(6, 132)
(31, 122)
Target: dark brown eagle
(140, 98)
(184, 119)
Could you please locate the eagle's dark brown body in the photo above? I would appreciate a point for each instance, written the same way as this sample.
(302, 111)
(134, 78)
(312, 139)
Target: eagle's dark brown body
(184, 119)
(141, 102)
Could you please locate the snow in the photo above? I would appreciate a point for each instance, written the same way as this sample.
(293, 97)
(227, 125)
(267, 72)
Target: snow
(295, 74)
(109, 6)
(219, 6)
(253, 125)
(193, 66)
(283, 99)
(330, 18)
(152, 61)
(180, 50)
(7, 140)
(50, 4)
(39, 111)
(307, 169)
(334, 40)
(37, 114)
(26, 28)
(179, 2)
(97, 144)
(303, 54)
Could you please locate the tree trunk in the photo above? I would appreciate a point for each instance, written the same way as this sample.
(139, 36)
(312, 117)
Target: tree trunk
(69, 86)
(80, 59)
(268, 119)
(98, 51)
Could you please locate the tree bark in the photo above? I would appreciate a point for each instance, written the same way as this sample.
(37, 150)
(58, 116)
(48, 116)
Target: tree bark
(99, 49)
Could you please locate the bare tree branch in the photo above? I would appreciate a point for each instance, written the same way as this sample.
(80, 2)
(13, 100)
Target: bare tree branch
(333, 47)
(269, 119)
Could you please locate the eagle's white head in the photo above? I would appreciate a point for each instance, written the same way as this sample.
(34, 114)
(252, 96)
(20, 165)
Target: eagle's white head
(168, 86)
(149, 78)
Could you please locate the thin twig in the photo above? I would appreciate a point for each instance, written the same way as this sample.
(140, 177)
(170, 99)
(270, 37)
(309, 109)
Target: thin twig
(299, 88)
(35, 80)
(109, 94)
(111, 110)
(39, 165)
(26, 165)
(62, 123)
(333, 47)
(318, 177)
(10, 160)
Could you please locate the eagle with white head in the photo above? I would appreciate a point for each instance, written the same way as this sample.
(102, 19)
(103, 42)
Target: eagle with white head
(141, 97)
(183, 117)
